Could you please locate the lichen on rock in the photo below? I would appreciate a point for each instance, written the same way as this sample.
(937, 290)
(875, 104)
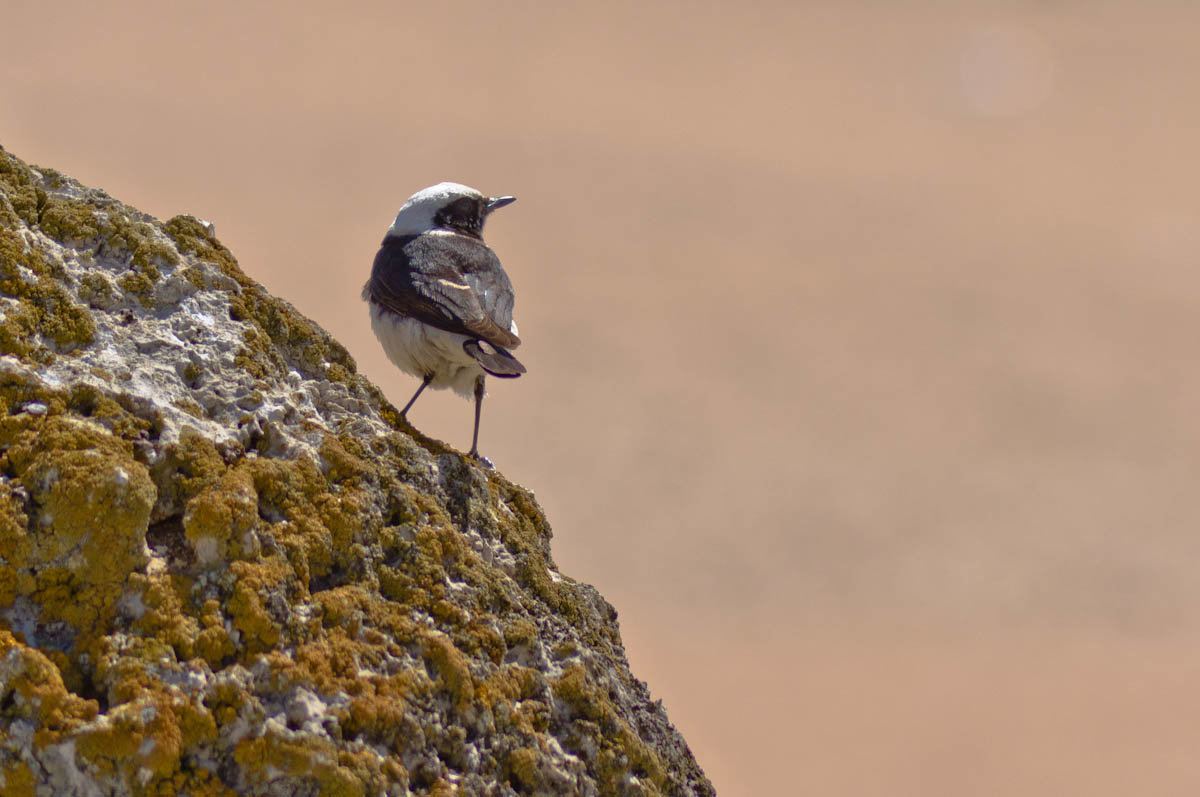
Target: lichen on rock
(227, 565)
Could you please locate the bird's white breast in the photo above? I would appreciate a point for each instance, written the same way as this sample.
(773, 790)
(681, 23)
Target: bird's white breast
(420, 350)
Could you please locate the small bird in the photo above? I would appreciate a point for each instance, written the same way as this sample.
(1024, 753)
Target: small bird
(440, 301)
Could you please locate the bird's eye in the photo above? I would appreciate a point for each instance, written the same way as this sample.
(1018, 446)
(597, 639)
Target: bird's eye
(466, 207)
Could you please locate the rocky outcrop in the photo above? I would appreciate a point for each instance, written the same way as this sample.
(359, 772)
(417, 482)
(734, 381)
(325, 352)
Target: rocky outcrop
(228, 566)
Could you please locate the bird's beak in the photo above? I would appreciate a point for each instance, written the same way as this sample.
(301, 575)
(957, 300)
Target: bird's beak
(499, 202)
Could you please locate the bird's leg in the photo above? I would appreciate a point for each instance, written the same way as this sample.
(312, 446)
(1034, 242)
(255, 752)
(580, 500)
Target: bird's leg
(424, 384)
(474, 452)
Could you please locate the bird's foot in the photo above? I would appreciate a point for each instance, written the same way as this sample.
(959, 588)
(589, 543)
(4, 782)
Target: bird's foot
(481, 459)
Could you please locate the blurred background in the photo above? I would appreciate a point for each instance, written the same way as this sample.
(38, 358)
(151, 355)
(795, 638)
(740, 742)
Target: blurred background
(861, 336)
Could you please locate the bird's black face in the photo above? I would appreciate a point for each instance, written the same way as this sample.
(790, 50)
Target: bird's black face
(467, 214)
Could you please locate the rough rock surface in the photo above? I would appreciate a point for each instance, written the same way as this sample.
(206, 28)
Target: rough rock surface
(227, 566)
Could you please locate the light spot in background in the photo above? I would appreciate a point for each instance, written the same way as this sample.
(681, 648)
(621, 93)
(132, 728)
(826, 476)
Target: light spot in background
(1005, 71)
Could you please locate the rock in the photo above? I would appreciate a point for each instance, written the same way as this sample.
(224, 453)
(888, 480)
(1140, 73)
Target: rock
(227, 565)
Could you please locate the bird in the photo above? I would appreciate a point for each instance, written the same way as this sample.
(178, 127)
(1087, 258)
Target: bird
(441, 303)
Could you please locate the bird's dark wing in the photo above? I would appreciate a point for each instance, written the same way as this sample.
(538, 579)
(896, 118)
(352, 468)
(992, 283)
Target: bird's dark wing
(451, 290)
(493, 359)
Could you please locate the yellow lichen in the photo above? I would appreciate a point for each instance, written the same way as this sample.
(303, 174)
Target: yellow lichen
(17, 780)
(621, 751)
(168, 628)
(91, 502)
(523, 768)
(216, 519)
(16, 577)
(316, 759)
(32, 688)
(44, 311)
(452, 670)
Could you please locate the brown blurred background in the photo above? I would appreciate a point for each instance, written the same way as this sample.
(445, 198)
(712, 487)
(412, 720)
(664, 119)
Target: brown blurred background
(861, 336)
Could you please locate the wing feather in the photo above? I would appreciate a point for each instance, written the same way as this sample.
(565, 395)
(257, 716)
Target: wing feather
(460, 288)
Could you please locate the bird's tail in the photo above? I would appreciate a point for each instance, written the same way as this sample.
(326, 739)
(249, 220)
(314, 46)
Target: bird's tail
(493, 359)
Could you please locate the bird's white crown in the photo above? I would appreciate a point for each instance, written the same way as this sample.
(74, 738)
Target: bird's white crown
(417, 214)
